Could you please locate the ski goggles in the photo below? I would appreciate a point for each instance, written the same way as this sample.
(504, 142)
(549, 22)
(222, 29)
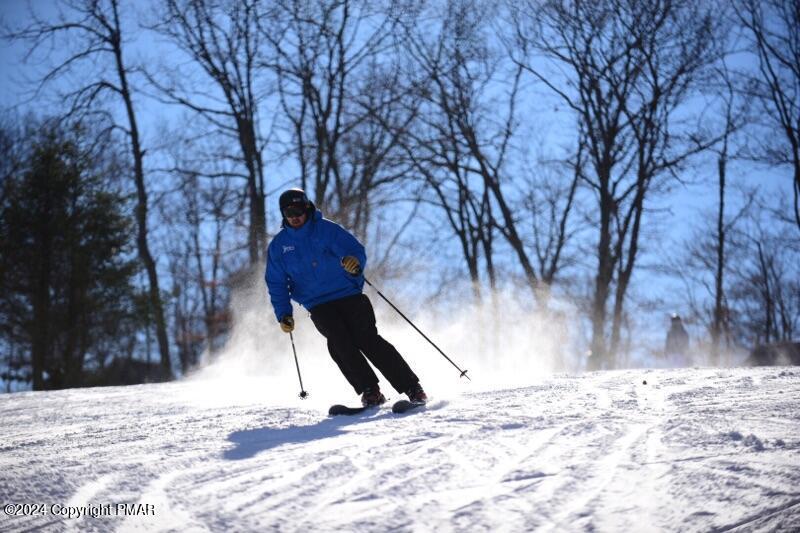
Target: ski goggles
(294, 211)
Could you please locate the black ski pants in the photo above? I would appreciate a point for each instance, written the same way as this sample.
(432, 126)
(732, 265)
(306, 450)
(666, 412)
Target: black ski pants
(349, 326)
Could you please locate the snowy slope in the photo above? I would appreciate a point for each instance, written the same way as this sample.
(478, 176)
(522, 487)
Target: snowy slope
(690, 450)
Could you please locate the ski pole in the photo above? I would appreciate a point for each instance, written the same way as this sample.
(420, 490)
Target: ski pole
(463, 372)
(303, 393)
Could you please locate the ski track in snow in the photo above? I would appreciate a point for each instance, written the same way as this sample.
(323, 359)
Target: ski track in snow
(691, 450)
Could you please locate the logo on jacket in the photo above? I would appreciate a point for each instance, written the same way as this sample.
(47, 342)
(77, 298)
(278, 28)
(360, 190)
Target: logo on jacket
(288, 249)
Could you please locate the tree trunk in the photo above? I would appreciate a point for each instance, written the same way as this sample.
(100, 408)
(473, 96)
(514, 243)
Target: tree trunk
(766, 294)
(797, 189)
(41, 300)
(626, 269)
(605, 274)
(257, 237)
(716, 325)
(141, 205)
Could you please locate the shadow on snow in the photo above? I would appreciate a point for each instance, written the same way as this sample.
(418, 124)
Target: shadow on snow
(250, 442)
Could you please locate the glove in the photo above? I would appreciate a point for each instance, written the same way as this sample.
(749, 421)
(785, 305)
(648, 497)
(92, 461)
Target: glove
(351, 265)
(287, 324)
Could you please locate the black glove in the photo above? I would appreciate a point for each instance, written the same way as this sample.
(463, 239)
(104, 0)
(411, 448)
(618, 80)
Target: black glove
(287, 324)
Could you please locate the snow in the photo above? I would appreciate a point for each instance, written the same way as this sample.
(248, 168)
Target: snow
(634, 450)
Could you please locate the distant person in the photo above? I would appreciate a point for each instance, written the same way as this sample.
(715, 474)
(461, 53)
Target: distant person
(677, 345)
(319, 264)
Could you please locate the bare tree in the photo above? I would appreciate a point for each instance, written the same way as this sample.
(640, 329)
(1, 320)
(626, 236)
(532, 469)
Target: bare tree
(624, 68)
(221, 37)
(338, 90)
(437, 66)
(190, 339)
(463, 140)
(734, 116)
(709, 264)
(91, 31)
(774, 30)
(552, 198)
(205, 210)
(765, 284)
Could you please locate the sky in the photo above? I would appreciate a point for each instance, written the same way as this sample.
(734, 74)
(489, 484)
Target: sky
(11, 66)
(17, 76)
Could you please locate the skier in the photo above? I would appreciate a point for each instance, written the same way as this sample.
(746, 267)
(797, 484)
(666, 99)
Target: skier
(319, 264)
(677, 344)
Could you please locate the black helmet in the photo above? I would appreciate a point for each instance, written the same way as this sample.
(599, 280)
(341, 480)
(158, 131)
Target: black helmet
(294, 197)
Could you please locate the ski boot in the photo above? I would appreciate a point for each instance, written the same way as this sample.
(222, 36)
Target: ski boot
(416, 394)
(372, 396)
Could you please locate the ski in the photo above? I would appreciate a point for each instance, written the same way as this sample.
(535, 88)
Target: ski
(339, 409)
(403, 406)
(399, 407)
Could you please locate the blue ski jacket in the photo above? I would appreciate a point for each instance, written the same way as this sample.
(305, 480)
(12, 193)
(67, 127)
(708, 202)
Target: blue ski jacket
(304, 265)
